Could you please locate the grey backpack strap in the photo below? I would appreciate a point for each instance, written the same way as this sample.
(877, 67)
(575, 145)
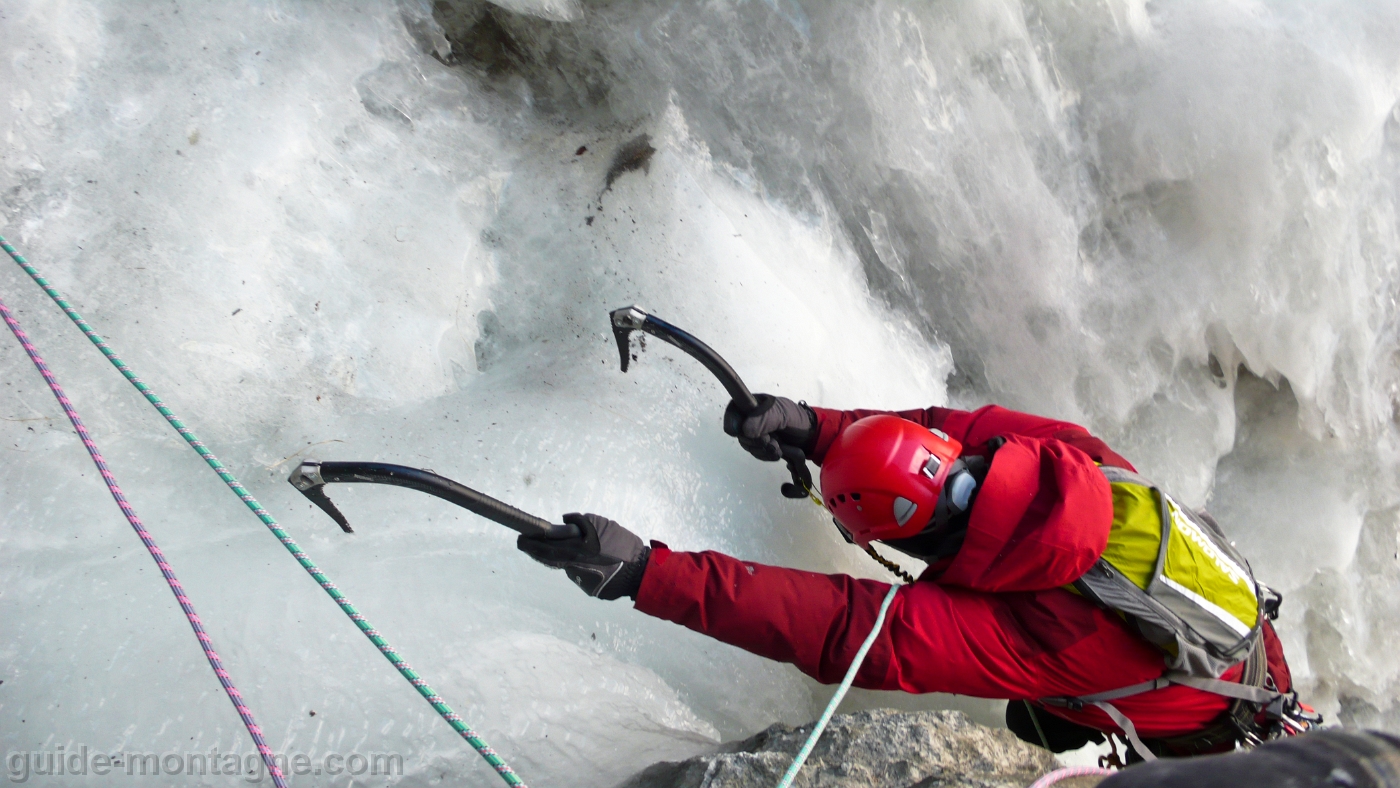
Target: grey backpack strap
(1227, 688)
(1132, 689)
(1116, 475)
(1129, 731)
(1101, 701)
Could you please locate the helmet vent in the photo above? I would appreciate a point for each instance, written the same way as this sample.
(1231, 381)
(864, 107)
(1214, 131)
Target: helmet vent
(903, 510)
(932, 466)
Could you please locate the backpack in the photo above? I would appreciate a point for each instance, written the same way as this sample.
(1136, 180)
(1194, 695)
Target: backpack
(1172, 575)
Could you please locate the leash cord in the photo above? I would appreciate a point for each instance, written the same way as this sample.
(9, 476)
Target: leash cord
(894, 568)
(302, 558)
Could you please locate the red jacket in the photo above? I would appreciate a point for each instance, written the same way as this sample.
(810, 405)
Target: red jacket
(992, 624)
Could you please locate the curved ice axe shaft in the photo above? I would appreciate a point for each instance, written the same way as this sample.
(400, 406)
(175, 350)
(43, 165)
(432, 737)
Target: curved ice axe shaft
(634, 318)
(311, 476)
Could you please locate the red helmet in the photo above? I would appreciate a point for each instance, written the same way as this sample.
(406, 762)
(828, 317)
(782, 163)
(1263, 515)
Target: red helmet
(882, 477)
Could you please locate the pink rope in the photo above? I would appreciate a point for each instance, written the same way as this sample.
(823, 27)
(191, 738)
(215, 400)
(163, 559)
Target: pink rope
(204, 640)
(1068, 772)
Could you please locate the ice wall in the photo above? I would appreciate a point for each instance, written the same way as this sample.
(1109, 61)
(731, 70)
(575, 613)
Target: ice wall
(386, 231)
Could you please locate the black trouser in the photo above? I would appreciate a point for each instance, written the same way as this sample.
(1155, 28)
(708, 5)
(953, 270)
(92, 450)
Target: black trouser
(1061, 735)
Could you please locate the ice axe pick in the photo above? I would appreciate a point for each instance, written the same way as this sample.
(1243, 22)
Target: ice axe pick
(635, 318)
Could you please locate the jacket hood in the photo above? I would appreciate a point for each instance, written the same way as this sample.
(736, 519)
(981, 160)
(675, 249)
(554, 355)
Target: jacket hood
(1040, 520)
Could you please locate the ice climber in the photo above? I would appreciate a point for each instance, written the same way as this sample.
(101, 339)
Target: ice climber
(1057, 579)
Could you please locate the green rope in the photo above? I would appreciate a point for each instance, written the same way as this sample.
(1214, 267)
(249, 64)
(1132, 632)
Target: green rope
(407, 672)
(835, 701)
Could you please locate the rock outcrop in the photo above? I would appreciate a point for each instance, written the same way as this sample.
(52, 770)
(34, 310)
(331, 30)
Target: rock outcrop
(868, 749)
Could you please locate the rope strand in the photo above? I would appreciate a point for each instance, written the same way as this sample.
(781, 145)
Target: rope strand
(205, 642)
(802, 754)
(445, 711)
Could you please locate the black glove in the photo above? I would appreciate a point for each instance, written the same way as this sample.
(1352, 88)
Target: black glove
(607, 561)
(776, 420)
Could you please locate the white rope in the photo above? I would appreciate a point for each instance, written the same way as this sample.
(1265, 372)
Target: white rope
(840, 693)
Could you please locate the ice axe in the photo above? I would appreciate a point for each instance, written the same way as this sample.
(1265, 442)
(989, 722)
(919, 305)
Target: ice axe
(311, 477)
(634, 318)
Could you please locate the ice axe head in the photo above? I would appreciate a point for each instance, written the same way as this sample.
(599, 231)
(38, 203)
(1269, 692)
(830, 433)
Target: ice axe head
(634, 318)
(307, 479)
(624, 322)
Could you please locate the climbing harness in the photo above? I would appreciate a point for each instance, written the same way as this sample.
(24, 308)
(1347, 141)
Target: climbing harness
(205, 642)
(835, 701)
(465, 731)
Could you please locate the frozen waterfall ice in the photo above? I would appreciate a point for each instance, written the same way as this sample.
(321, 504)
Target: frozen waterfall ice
(388, 230)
